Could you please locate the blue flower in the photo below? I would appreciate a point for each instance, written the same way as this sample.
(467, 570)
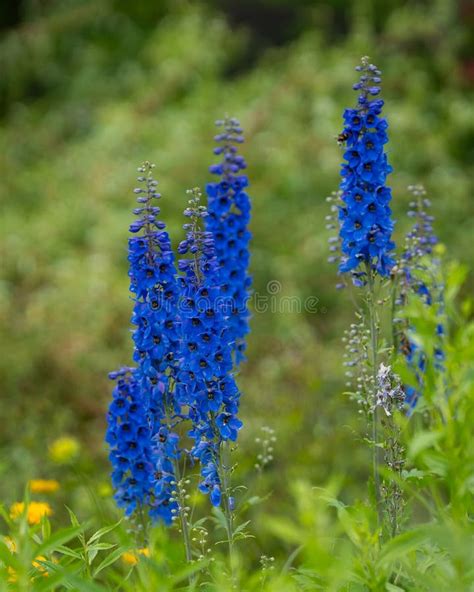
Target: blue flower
(205, 381)
(144, 422)
(365, 218)
(419, 276)
(228, 218)
(130, 441)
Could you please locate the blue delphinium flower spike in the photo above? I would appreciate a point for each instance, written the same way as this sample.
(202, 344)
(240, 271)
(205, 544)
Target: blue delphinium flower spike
(205, 382)
(228, 218)
(129, 438)
(365, 217)
(419, 276)
(156, 337)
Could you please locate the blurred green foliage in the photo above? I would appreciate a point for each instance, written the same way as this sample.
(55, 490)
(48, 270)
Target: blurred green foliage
(91, 89)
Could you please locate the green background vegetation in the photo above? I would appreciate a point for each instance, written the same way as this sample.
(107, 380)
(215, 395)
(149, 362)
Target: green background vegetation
(91, 89)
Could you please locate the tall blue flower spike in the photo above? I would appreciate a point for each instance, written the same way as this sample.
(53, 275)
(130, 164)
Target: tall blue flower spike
(365, 218)
(156, 337)
(228, 218)
(205, 383)
(419, 276)
(130, 440)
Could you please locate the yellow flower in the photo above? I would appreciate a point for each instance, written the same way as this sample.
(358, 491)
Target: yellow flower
(35, 511)
(132, 557)
(39, 566)
(12, 577)
(64, 449)
(43, 485)
(10, 543)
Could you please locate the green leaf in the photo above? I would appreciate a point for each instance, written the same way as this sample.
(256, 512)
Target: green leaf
(9, 558)
(100, 533)
(69, 552)
(72, 517)
(241, 527)
(219, 517)
(421, 442)
(392, 588)
(188, 571)
(58, 539)
(50, 583)
(111, 558)
(93, 550)
(81, 585)
(402, 544)
(413, 474)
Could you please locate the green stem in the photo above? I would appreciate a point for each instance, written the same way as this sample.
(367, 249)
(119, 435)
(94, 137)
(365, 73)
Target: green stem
(179, 492)
(224, 464)
(143, 533)
(375, 419)
(182, 513)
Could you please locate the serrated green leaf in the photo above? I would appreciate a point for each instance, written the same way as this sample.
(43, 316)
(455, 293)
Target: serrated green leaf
(241, 527)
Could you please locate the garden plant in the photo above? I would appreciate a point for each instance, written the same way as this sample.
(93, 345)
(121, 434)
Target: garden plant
(194, 491)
